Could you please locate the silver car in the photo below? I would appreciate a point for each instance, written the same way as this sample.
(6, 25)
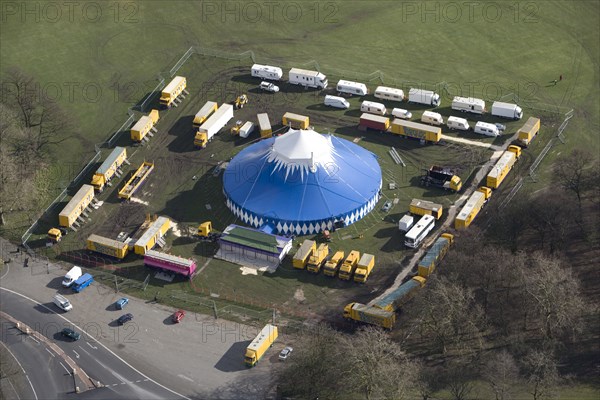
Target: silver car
(285, 353)
(269, 87)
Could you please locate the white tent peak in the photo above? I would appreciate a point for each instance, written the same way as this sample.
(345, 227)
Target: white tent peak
(302, 149)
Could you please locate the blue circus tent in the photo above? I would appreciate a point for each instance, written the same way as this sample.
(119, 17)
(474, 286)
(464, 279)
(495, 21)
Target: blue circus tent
(302, 182)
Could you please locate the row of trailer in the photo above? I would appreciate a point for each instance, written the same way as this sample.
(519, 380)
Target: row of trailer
(314, 258)
(383, 311)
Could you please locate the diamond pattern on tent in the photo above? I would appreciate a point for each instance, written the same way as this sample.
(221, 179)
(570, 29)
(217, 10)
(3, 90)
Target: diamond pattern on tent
(304, 229)
(285, 227)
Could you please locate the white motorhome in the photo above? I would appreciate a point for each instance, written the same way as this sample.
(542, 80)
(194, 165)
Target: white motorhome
(426, 97)
(460, 124)
(373, 107)
(483, 128)
(433, 118)
(506, 110)
(266, 72)
(388, 93)
(337, 102)
(71, 276)
(306, 78)
(468, 104)
(62, 302)
(401, 113)
(352, 87)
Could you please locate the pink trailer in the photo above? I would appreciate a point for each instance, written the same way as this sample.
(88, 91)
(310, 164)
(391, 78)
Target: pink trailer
(169, 262)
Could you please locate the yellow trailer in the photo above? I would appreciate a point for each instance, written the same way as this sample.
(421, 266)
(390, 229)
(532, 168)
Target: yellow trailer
(528, 131)
(296, 121)
(144, 125)
(261, 343)
(416, 130)
(76, 206)
(349, 265)
(370, 315)
(503, 166)
(109, 247)
(264, 125)
(207, 109)
(153, 234)
(315, 261)
(136, 180)
(332, 265)
(470, 210)
(424, 207)
(108, 168)
(170, 93)
(364, 267)
(301, 257)
(435, 254)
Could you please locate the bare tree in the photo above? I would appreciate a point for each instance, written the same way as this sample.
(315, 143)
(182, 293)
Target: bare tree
(54, 127)
(542, 374)
(555, 295)
(24, 91)
(574, 172)
(379, 368)
(427, 381)
(501, 373)
(552, 217)
(459, 377)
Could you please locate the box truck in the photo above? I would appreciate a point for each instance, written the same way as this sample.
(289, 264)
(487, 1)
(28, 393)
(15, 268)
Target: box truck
(266, 72)
(349, 87)
(506, 110)
(62, 302)
(373, 107)
(301, 257)
(261, 343)
(433, 118)
(487, 129)
(388, 93)
(528, 131)
(306, 78)
(401, 113)
(207, 109)
(457, 123)
(71, 276)
(333, 264)
(468, 104)
(364, 267)
(316, 259)
(213, 125)
(349, 265)
(336, 101)
(426, 97)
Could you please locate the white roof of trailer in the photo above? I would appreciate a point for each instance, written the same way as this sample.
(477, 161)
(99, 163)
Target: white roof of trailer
(76, 200)
(173, 84)
(470, 205)
(151, 231)
(502, 163)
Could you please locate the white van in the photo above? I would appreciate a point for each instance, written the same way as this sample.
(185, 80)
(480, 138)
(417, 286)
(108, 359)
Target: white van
(388, 93)
(430, 117)
(336, 101)
(71, 276)
(458, 123)
(373, 108)
(401, 113)
(352, 87)
(62, 302)
(486, 129)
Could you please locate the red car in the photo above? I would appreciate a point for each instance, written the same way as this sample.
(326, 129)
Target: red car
(178, 316)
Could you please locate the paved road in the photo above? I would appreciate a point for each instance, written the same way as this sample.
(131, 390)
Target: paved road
(199, 358)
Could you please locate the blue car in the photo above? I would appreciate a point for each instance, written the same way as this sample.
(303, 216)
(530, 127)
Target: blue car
(122, 302)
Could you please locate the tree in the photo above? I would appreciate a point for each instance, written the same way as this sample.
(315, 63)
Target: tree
(574, 173)
(379, 368)
(459, 377)
(25, 91)
(501, 373)
(542, 374)
(551, 217)
(427, 381)
(54, 127)
(555, 295)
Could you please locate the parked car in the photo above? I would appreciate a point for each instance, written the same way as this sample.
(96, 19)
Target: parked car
(269, 87)
(178, 316)
(387, 206)
(125, 318)
(71, 334)
(122, 302)
(285, 353)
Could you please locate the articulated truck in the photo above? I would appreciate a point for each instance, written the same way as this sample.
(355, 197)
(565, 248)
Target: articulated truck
(370, 315)
(213, 125)
(260, 345)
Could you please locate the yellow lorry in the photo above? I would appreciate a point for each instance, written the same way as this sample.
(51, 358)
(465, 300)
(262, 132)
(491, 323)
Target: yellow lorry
(349, 265)
(528, 131)
(472, 207)
(261, 343)
(315, 261)
(503, 166)
(301, 257)
(142, 128)
(333, 264)
(109, 168)
(169, 94)
(370, 315)
(364, 267)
